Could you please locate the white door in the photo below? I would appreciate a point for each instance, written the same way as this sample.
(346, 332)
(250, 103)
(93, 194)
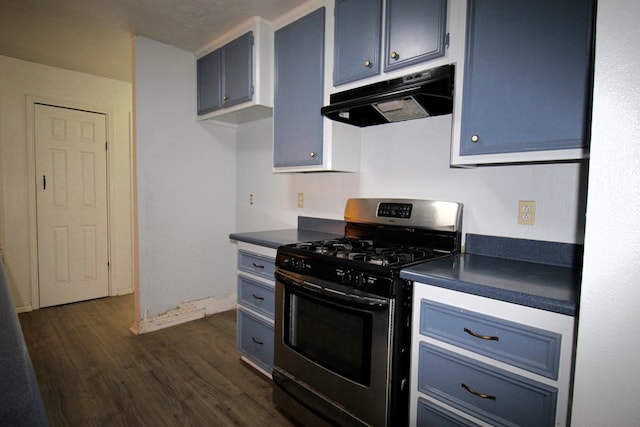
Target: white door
(71, 166)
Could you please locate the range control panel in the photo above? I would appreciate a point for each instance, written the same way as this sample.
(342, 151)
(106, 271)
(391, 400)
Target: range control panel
(395, 210)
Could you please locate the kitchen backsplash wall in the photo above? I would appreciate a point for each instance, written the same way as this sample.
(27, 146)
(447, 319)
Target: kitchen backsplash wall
(411, 159)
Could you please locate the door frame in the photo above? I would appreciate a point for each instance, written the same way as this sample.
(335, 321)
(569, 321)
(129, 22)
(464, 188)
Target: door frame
(31, 100)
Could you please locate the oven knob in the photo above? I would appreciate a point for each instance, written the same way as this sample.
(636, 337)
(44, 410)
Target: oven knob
(358, 280)
(347, 276)
(290, 263)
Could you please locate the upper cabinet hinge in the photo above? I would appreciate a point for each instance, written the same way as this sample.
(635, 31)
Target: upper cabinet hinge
(105, 146)
(446, 40)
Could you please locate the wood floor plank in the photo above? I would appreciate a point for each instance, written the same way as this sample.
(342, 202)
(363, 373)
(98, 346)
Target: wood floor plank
(92, 371)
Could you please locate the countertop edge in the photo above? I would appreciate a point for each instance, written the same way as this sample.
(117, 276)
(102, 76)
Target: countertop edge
(275, 238)
(514, 297)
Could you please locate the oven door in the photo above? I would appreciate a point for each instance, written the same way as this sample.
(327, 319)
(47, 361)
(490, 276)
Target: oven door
(332, 349)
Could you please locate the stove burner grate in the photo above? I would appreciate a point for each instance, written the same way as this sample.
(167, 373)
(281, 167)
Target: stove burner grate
(367, 251)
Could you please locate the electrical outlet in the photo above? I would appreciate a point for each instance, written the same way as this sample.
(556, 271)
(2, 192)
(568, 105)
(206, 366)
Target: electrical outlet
(527, 212)
(301, 200)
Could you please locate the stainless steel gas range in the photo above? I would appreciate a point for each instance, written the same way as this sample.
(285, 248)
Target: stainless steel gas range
(343, 314)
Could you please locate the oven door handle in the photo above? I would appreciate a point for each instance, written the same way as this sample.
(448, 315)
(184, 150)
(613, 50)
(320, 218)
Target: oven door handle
(328, 293)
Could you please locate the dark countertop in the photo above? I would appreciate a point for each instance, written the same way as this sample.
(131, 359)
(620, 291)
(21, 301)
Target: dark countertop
(21, 399)
(275, 238)
(309, 229)
(534, 284)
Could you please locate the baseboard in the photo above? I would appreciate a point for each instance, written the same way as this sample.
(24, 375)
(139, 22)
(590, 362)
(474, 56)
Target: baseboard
(24, 308)
(123, 291)
(185, 312)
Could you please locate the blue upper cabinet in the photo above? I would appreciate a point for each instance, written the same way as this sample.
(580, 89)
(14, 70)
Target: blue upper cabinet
(237, 65)
(299, 91)
(209, 82)
(527, 79)
(358, 25)
(225, 75)
(415, 32)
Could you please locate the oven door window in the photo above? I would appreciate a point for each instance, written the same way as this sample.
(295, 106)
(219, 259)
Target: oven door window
(332, 335)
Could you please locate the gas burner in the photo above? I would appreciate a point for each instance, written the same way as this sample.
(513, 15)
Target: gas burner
(375, 259)
(367, 251)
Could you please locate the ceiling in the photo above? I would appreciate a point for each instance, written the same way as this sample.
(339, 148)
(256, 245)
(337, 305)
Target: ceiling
(95, 36)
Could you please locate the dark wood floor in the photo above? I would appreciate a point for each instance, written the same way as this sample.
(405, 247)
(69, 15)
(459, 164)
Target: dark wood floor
(93, 372)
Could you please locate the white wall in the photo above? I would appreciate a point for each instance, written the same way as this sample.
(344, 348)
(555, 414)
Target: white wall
(19, 80)
(186, 182)
(607, 381)
(411, 159)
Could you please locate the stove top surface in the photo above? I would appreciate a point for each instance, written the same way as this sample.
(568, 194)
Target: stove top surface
(367, 251)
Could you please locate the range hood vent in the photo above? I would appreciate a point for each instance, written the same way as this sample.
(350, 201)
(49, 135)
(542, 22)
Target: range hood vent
(415, 96)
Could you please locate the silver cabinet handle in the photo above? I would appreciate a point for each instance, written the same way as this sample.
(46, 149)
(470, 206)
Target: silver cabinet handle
(257, 297)
(312, 154)
(475, 138)
(258, 266)
(475, 393)
(257, 341)
(482, 337)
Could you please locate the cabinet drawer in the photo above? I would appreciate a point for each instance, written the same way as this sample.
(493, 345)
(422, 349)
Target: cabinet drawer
(256, 264)
(491, 394)
(430, 415)
(256, 295)
(255, 339)
(533, 349)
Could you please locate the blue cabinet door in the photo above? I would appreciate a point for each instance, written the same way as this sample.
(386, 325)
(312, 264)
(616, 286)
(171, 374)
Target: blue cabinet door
(209, 82)
(298, 96)
(237, 70)
(415, 32)
(527, 79)
(225, 76)
(495, 396)
(357, 41)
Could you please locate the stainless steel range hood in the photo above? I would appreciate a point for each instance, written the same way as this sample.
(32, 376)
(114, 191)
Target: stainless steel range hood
(418, 95)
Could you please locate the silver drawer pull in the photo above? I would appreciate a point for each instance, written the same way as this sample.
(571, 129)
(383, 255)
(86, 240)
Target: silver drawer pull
(482, 337)
(475, 393)
(260, 342)
(258, 265)
(257, 297)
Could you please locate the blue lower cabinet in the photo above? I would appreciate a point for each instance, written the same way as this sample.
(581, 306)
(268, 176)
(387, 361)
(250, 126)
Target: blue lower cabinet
(533, 349)
(256, 295)
(430, 415)
(484, 391)
(257, 264)
(255, 339)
